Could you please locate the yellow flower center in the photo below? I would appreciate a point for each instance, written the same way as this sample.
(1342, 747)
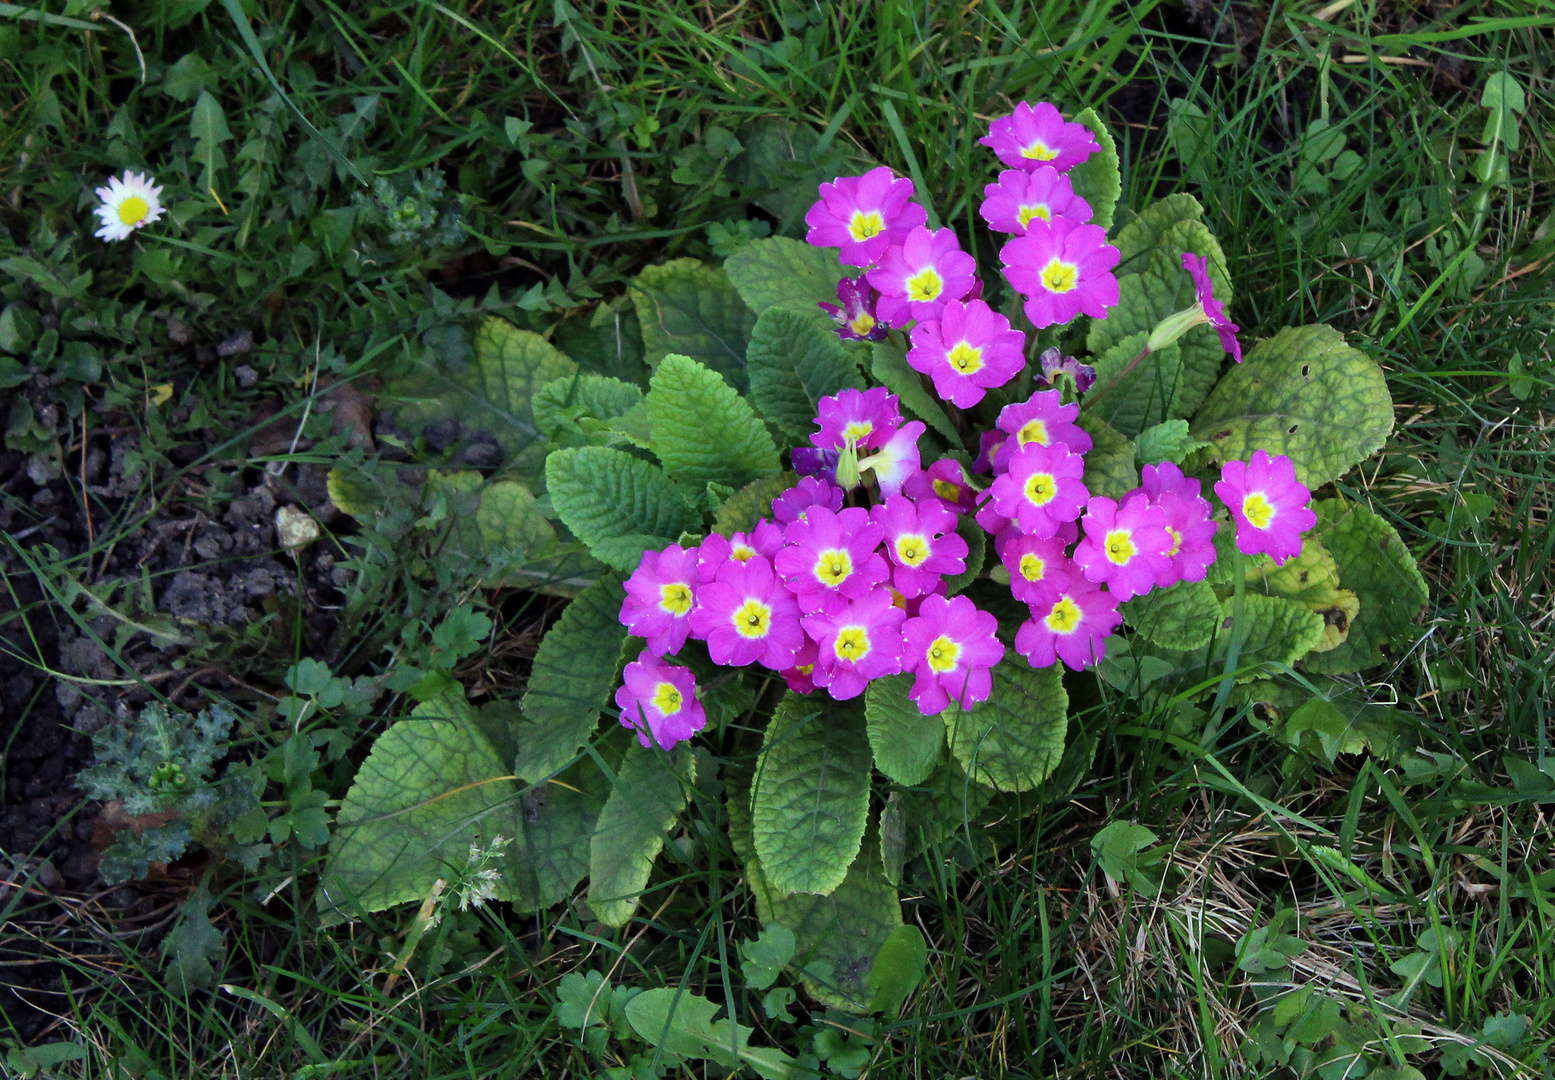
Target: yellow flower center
(1257, 509)
(852, 643)
(925, 285)
(1059, 276)
(965, 358)
(741, 552)
(1038, 211)
(1038, 150)
(752, 619)
(862, 323)
(1120, 547)
(865, 225)
(943, 654)
(666, 698)
(675, 598)
(857, 431)
(1065, 616)
(912, 549)
(947, 491)
(805, 669)
(1033, 431)
(1176, 541)
(1033, 567)
(133, 210)
(833, 567)
(1041, 488)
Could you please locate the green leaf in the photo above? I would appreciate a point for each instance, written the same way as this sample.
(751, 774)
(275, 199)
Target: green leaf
(1166, 441)
(906, 744)
(682, 1024)
(617, 504)
(741, 511)
(1118, 845)
(1147, 227)
(890, 368)
(763, 960)
(570, 680)
(559, 816)
(1279, 631)
(607, 341)
(1312, 579)
(777, 270)
(976, 553)
(1329, 726)
(1183, 616)
(208, 125)
(1014, 739)
(194, 946)
(1303, 393)
(897, 971)
(795, 359)
(1109, 467)
(702, 431)
(1374, 564)
(1144, 396)
(810, 800)
(1097, 179)
(650, 791)
(573, 410)
(690, 309)
(1505, 98)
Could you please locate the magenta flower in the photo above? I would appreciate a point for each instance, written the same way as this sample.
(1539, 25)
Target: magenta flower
(1043, 419)
(1214, 311)
(1124, 547)
(1072, 628)
(747, 616)
(811, 491)
(801, 677)
(864, 215)
(967, 350)
(1062, 269)
(917, 278)
(659, 597)
(988, 444)
(1268, 504)
(897, 461)
(1042, 488)
(858, 642)
(766, 540)
(921, 542)
(854, 312)
(945, 482)
(1187, 519)
(1039, 569)
(950, 647)
(1019, 197)
(862, 418)
(659, 702)
(831, 557)
(1038, 135)
(1055, 363)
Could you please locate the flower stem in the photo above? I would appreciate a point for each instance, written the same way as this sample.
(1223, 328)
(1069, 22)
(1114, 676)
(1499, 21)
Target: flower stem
(1238, 639)
(1098, 394)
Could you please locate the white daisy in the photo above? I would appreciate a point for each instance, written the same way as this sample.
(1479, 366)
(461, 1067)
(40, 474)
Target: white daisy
(127, 205)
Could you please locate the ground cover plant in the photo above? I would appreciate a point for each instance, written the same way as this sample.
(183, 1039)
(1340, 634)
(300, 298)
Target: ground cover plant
(328, 485)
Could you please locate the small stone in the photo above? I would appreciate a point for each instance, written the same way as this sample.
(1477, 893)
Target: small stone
(245, 375)
(179, 332)
(295, 528)
(237, 344)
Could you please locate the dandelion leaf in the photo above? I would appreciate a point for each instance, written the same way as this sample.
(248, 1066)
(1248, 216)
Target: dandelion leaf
(681, 1025)
(1375, 565)
(1014, 739)
(796, 359)
(1180, 617)
(777, 270)
(617, 504)
(906, 744)
(703, 431)
(688, 308)
(649, 792)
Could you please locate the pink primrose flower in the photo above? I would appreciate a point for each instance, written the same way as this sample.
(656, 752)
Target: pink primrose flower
(864, 215)
(1042, 418)
(747, 616)
(1038, 135)
(866, 418)
(811, 491)
(1055, 363)
(1062, 269)
(1268, 504)
(801, 677)
(1214, 311)
(945, 482)
(659, 702)
(766, 540)
(921, 542)
(660, 595)
(967, 350)
(1010, 205)
(1187, 519)
(1073, 627)
(830, 558)
(1042, 488)
(897, 461)
(950, 648)
(916, 279)
(988, 443)
(854, 312)
(860, 641)
(1039, 569)
(1124, 547)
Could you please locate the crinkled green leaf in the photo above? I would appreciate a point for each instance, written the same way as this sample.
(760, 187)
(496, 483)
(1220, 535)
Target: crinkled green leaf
(689, 308)
(570, 680)
(890, 368)
(683, 1025)
(1166, 441)
(976, 554)
(1144, 396)
(1014, 739)
(703, 431)
(650, 791)
(810, 800)
(576, 410)
(1375, 565)
(1303, 393)
(1312, 579)
(784, 162)
(603, 495)
(1147, 227)
(777, 270)
(1109, 467)
(742, 510)
(194, 946)
(607, 341)
(1183, 616)
(1279, 631)
(1097, 179)
(795, 359)
(906, 744)
(897, 970)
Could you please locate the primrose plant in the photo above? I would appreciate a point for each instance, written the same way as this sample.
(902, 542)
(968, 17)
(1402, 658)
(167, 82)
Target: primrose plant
(1001, 492)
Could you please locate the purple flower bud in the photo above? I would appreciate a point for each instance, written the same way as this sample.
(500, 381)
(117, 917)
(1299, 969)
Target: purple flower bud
(855, 318)
(1055, 363)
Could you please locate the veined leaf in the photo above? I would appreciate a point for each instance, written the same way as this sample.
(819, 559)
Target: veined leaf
(906, 744)
(703, 431)
(742, 510)
(1147, 227)
(690, 309)
(617, 504)
(1312, 579)
(1097, 179)
(795, 359)
(1014, 739)
(777, 270)
(650, 791)
(1183, 617)
(1109, 467)
(1373, 563)
(1279, 631)
(889, 366)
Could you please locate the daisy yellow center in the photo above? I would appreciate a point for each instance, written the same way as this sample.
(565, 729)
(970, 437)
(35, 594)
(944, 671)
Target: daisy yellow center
(133, 210)
(1037, 211)
(666, 698)
(866, 225)
(912, 549)
(1064, 618)
(752, 619)
(1033, 567)
(852, 643)
(1257, 509)
(1033, 431)
(741, 552)
(1059, 276)
(1041, 488)
(947, 491)
(925, 285)
(862, 323)
(833, 567)
(1037, 150)
(1119, 547)
(965, 358)
(857, 431)
(1176, 541)
(675, 598)
(943, 654)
